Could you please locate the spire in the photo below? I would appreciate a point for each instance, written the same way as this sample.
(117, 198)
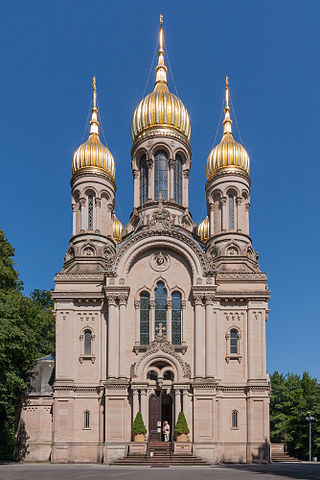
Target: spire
(227, 122)
(94, 124)
(161, 69)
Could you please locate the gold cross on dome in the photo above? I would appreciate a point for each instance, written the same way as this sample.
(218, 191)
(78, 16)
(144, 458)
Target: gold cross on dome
(161, 329)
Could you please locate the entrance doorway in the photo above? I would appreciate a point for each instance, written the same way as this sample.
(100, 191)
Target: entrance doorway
(160, 409)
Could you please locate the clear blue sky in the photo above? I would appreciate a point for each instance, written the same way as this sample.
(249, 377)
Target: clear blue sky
(49, 51)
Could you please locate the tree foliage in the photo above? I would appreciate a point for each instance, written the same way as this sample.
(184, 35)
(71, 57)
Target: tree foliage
(292, 398)
(138, 426)
(182, 425)
(27, 332)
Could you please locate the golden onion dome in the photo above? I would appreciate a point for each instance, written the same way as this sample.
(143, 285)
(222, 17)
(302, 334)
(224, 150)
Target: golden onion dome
(203, 230)
(228, 156)
(92, 156)
(117, 229)
(160, 109)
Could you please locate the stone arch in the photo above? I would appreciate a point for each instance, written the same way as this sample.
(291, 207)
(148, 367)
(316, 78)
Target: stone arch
(145, 365)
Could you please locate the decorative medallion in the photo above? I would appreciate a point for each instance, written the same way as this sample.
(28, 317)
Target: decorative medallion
(160, 262)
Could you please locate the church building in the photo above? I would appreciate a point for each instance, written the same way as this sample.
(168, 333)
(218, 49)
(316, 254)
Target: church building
(158, 316)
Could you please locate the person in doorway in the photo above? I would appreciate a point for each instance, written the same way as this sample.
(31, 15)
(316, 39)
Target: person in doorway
(166, 431)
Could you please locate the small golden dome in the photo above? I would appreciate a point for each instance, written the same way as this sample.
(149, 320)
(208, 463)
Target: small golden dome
(93, 156)
(228, 155)
(117, 229)
(160, 108)
(203, 230)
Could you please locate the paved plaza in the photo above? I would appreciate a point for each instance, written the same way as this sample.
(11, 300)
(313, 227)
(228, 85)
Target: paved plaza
(216, 472)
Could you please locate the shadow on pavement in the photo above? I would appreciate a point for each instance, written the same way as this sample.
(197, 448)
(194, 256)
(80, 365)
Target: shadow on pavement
(304, 471)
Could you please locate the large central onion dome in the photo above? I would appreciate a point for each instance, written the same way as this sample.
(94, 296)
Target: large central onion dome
(93, 156)
(228, 156)
(161, 109)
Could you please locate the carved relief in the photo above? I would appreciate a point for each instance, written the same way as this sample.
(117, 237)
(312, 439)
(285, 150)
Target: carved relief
(160, 262)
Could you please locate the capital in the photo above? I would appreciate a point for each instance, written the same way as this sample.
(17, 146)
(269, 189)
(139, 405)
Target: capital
(223, 200)
(197, 299)
(186, 173)
(82, 201)
(135, 174)
(137, 304)
(150, 162)
(111, 297)
(123, 299)
(98, 202)
(74, 207)
(209, 299)
(171, 163)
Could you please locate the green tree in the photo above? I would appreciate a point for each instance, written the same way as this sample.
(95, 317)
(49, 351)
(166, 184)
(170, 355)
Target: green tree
(182, 425)
(26, 333)
(292, 397)
(138, 426)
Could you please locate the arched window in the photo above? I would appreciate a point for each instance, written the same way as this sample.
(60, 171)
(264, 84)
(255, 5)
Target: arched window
(160, 174)
(160, 308)
(178, 179)
(143, 180)
(86, 419)
(176, 318)
(231, 211)
(87, 342)
(90, 212)
(234, 419)
(144, 318)
(233, 341)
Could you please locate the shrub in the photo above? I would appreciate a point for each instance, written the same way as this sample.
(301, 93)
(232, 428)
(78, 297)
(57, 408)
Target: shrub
(138, 425)
(182, 425)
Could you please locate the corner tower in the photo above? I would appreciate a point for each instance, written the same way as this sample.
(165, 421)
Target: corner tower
(226, 228)
(161, 153)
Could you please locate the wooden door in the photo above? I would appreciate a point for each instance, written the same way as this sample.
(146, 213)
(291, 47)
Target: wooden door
(155, 417)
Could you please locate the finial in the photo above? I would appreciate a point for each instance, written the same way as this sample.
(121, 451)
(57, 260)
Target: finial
(161, 69)
(94, 124)
(227, 122)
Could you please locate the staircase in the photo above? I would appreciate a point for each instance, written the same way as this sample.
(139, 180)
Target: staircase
(161, 456)
(279, 455)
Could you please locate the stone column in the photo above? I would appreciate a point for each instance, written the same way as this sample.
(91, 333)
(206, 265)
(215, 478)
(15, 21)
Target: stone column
(137, 314)
(211, 219)
(177, 404)
(97, 215)
(171, 179)
(250, 342)
(210, 331)
(135, 403)
(237, 214)
(169, 321)
(183, 321)
(83, 224)
(187, 409)
(122, 336)
(112, 337)
(199, 335)
(109, 220)
(74, 219)
(144, 405)
(150, 179)
(224, 214)
(152, 321)
(185, 190)
(247, 208)
(136, 188)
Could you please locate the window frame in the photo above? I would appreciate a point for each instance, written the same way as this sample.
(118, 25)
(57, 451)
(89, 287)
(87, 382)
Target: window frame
(178, 179)
(161, 184)
(144, 180)
(86, 420)
(235, 416)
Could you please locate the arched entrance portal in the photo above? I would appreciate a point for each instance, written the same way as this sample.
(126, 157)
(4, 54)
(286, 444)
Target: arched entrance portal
(160, 409)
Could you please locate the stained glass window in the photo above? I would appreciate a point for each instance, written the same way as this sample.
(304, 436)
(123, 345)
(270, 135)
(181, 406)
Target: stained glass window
(176, 318)
(86, 419)
(90, 212)
(231, 211)
(233, 341)
(178, 179)
(160, 308)
(144, 318)
(234, 419)
(87, 342)
(160, 174)
(143, 180)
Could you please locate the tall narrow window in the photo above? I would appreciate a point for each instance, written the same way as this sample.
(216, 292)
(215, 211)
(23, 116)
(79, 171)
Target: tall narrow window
(144, 318)
(160, 174)
(143, 180)
(231, 211)
(176, 318)
(87, 342)
(233, 341)
(234, 420)
(86, 419)
(160, 309)
(178, 179)
(90, 212)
